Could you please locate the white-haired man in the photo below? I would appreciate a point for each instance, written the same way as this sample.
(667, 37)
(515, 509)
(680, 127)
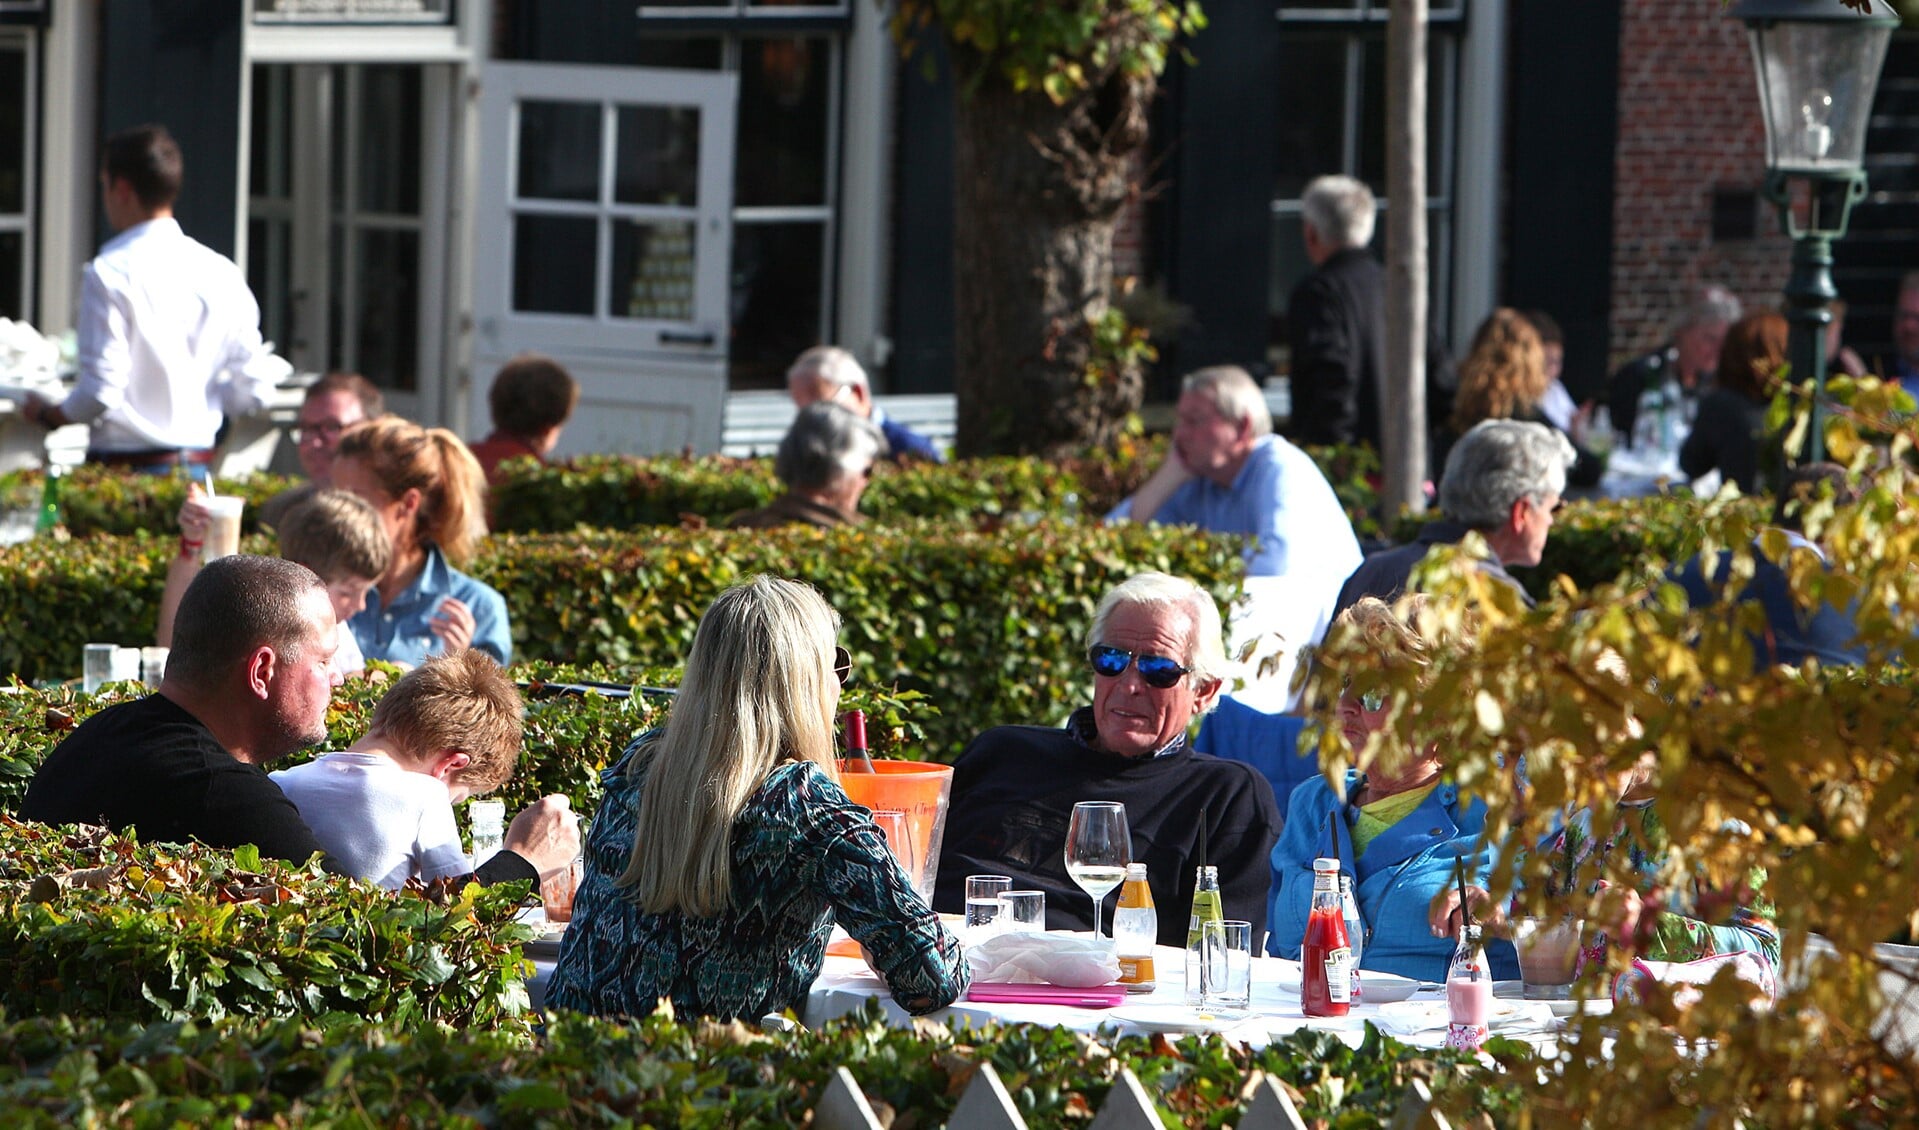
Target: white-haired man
(1227, 472)
(1503, 480)
(827, 372)
(1157, 659)
(1336, 324)
(1697, 333)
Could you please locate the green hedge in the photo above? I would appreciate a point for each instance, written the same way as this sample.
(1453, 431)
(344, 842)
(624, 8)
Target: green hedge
(989, 625)
(1597, 540)
(658, 1072)
(173, 932)
(568, 739)
(97, 500)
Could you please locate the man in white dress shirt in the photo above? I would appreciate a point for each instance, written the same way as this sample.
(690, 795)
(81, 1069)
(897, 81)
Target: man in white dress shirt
(169, 334)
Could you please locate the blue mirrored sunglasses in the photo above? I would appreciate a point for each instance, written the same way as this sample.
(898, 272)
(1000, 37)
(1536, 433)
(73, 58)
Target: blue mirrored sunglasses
(1157, 671)
(1369, 701)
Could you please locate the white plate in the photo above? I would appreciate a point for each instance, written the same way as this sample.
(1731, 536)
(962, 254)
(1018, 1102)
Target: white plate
(1375, 988)
(1516, 991)
(1172, 1018)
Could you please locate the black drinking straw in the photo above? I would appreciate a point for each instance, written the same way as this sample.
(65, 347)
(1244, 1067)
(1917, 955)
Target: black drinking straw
(1465, 915)
(1332, 829)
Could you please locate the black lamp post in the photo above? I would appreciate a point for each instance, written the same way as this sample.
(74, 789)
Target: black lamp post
(1818, 64)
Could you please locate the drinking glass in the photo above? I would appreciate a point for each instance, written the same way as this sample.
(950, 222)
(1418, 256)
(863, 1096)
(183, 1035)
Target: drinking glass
(1225, 965)
(1025, 912)
(556, 893)
(899, 837)
(983, 906)
(1548, 956)
(97, 666)
(1098, 848)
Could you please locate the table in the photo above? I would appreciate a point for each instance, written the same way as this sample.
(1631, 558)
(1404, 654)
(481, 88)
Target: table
(845, 985)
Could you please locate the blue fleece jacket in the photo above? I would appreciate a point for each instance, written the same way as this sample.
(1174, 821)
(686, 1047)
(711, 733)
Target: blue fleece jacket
(1394, 882)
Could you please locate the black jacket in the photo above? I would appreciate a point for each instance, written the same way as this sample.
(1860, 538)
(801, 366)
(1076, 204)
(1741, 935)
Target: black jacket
(1336, 321)
(1384, 574)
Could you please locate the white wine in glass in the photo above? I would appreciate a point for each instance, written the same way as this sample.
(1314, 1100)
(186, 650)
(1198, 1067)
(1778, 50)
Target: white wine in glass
(1098, 847)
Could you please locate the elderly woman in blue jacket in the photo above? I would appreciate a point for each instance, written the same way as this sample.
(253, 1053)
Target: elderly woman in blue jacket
(1399, 828)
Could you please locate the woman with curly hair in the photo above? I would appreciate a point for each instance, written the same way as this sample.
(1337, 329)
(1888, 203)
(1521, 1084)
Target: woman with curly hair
(1504, 378)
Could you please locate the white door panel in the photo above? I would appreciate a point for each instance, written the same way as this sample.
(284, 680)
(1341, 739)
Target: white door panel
(604, 234)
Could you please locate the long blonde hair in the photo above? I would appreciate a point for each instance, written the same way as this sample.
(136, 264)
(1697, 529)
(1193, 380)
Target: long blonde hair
(405, 456)
(759, 688)
(1505, 374)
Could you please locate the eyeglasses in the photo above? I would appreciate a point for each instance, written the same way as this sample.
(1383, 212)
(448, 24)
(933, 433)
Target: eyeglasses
(326, 432)
(1157, 671)
(842, 665)
(1558, 505)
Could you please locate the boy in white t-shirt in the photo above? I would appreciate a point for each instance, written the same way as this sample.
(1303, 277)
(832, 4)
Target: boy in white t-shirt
(336, 534)
(448, 730)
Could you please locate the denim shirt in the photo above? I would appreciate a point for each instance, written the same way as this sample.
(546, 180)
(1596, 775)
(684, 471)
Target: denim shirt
(1394, 882)
(403, 632)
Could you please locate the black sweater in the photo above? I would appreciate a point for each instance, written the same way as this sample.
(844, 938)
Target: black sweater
(152, 768)
(1013, 794)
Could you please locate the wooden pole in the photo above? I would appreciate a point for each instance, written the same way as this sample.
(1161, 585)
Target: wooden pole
(1404, 411)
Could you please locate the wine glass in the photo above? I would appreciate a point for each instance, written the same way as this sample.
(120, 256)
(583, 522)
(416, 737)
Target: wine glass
(1098, 848)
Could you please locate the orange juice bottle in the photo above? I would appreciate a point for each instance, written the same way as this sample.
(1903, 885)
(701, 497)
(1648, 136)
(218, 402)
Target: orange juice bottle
(1136, 931)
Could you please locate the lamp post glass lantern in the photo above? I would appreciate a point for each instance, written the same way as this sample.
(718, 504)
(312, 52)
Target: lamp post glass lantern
(1817, 63)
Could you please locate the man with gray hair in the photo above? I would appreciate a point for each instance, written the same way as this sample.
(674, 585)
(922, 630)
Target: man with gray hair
(827, 372)
(1336, 324)
(825, 459)
(1157, 661)
(1689, 360)
(1227, 472)
(1503, 481)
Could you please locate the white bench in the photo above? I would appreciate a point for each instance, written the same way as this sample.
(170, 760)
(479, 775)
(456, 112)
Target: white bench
(753, 422)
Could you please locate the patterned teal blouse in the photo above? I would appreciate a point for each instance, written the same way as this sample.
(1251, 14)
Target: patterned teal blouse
(802, 854)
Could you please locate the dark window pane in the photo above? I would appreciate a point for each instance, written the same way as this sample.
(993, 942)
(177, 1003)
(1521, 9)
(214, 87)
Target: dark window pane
(553, 264)
(1372, 113)
(270, 157)
(783, 99)
(559, 151)
(776, 299)
(268, 272)
(657, 159)
(674, 51)
(1312, 110)
(652, 271)
(389, 314)
(13, 251)
(389, 156)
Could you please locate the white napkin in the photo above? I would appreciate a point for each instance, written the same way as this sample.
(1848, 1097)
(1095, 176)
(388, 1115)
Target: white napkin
(1408, 1019)
(1043, 959)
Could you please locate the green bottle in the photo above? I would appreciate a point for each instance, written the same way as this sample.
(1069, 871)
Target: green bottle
(1206, 908)
(49, 518)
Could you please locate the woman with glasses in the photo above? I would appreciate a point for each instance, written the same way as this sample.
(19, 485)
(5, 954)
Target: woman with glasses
(1398, 826)
(431, 495)
(725, 849)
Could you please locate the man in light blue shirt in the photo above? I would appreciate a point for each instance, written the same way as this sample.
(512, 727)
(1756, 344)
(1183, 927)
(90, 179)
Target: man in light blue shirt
(1227, 472)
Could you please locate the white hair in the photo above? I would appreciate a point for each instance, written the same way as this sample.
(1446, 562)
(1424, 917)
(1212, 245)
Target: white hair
(1713, 305)
(1205, 648)
(830, 363)
(1233, 393)
(1497, 463)
(826, 443)
(1340, 210)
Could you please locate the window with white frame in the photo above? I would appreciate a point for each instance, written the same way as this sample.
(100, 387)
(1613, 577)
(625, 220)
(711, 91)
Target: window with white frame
(18, 118)
(789, 58)
(1332, 76)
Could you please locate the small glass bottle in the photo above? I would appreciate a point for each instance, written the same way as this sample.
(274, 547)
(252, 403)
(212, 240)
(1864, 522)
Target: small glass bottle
(1325, 953)
(1355, 927)
(1136, 931)
(1469, 992)
(49, 518)
(1206, 908)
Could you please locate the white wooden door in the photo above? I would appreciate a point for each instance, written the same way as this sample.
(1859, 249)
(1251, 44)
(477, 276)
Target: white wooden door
(603, 234)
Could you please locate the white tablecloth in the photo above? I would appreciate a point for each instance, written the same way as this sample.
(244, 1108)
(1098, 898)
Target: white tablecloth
(845, 985)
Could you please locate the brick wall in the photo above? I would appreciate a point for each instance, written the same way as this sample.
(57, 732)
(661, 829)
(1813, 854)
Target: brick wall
(1688, 124)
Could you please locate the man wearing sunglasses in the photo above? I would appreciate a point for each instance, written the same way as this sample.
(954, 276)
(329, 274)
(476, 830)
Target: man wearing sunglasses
(1503, 481)
(1156, 659)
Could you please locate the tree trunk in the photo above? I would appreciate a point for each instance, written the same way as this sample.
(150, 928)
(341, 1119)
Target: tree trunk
(1039, 190)
(1404, 426)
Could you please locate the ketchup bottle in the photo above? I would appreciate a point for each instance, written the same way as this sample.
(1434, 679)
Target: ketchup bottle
(1325, 954)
